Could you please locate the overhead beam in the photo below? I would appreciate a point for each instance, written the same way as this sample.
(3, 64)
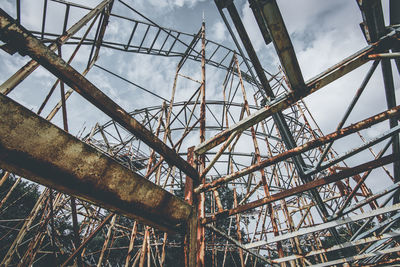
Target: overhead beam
(27, 44)
(280, 37)
(324, 226)
(33, 148)
(340, 246)
(303, 188)
(281, 103)
(378, 253)
(29, 67)
(239, 244)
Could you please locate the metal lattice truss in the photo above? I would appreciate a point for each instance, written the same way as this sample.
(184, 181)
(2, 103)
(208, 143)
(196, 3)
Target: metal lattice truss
(248, 174)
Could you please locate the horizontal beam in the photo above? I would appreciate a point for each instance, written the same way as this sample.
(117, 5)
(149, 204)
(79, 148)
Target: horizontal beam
(324, 226)
(26, 43)
(283, 44)
(281, 103)
(33, 148)
(340, 246)
(29, 67)
(238, 244)
(305, 187)
(385, 55)
(359, 257)
(391, 113)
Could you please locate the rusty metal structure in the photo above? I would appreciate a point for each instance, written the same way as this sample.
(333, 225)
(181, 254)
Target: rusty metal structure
(245, 175)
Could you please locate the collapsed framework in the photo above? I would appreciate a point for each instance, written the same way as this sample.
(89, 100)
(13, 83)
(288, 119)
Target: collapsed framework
(246, 179)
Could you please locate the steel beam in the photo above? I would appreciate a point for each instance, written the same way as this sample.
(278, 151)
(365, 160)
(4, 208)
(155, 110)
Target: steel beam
(283, 45)
(391, 113)
(239, 244)
(324, 226)
(340, 246)
(29, 67)
(33, 148)
(305, 187)
(374, 22)
(359, 257)
(25, 43)
(281, 103)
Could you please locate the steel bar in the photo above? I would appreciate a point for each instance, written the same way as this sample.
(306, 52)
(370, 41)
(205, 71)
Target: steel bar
(87, 240)
(360, 183)
(325, 226)
(103, 27)
(384, 55)
(25, 71)
(283, 45)
(76, 169)
(394, 7)
(192, 224)
(340, 246)
(313, 85)
(201, 234)
(373, 18)
(132, 83)
(26, 43)
(391, 113)
(238, 244)
(371, 198)
(350, 109)
(303, 188)
(355, 151)
(359, 257)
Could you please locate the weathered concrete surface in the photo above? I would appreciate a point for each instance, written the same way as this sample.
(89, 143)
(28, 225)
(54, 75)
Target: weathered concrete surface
(32, 147)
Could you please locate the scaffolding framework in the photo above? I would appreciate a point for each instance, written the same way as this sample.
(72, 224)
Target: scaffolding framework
(248, 177)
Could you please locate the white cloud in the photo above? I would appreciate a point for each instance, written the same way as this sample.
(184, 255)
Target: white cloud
(218, 32)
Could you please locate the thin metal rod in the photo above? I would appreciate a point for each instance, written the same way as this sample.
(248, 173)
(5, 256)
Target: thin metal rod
(350, 109)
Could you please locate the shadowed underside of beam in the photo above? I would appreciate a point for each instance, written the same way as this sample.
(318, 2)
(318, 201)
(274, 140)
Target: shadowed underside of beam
(32, 147)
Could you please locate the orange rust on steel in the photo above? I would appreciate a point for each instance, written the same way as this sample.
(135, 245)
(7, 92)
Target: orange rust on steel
(283, 44)
(58, 160)
(29, 67)
(384, 55)
(333, 73)
(26, 43)
(305, 187)
(191, 233)
(258, 157)
(391, 113)
(150, 172)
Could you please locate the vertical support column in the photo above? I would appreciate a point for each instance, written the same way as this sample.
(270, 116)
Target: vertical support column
(375, 23)
(201, 249)
(191, 228)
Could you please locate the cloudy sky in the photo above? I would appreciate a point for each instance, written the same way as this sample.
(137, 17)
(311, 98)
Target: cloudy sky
(322, 32)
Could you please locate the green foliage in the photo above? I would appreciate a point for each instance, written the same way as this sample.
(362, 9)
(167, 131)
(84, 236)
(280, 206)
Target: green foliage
(21, 201)
(17, 207)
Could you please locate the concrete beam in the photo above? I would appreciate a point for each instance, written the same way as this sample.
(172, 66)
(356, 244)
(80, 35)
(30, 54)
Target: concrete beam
(33, 148)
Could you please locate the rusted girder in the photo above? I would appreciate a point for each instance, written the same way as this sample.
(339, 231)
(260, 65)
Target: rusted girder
(305, 187)
(26, 43)
(32, 147)
(280, 36)
(393, 113)
(29, 67)
(333, 73)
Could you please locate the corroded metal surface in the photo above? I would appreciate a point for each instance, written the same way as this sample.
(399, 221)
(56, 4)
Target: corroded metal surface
(32, 147)
(25, 43)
